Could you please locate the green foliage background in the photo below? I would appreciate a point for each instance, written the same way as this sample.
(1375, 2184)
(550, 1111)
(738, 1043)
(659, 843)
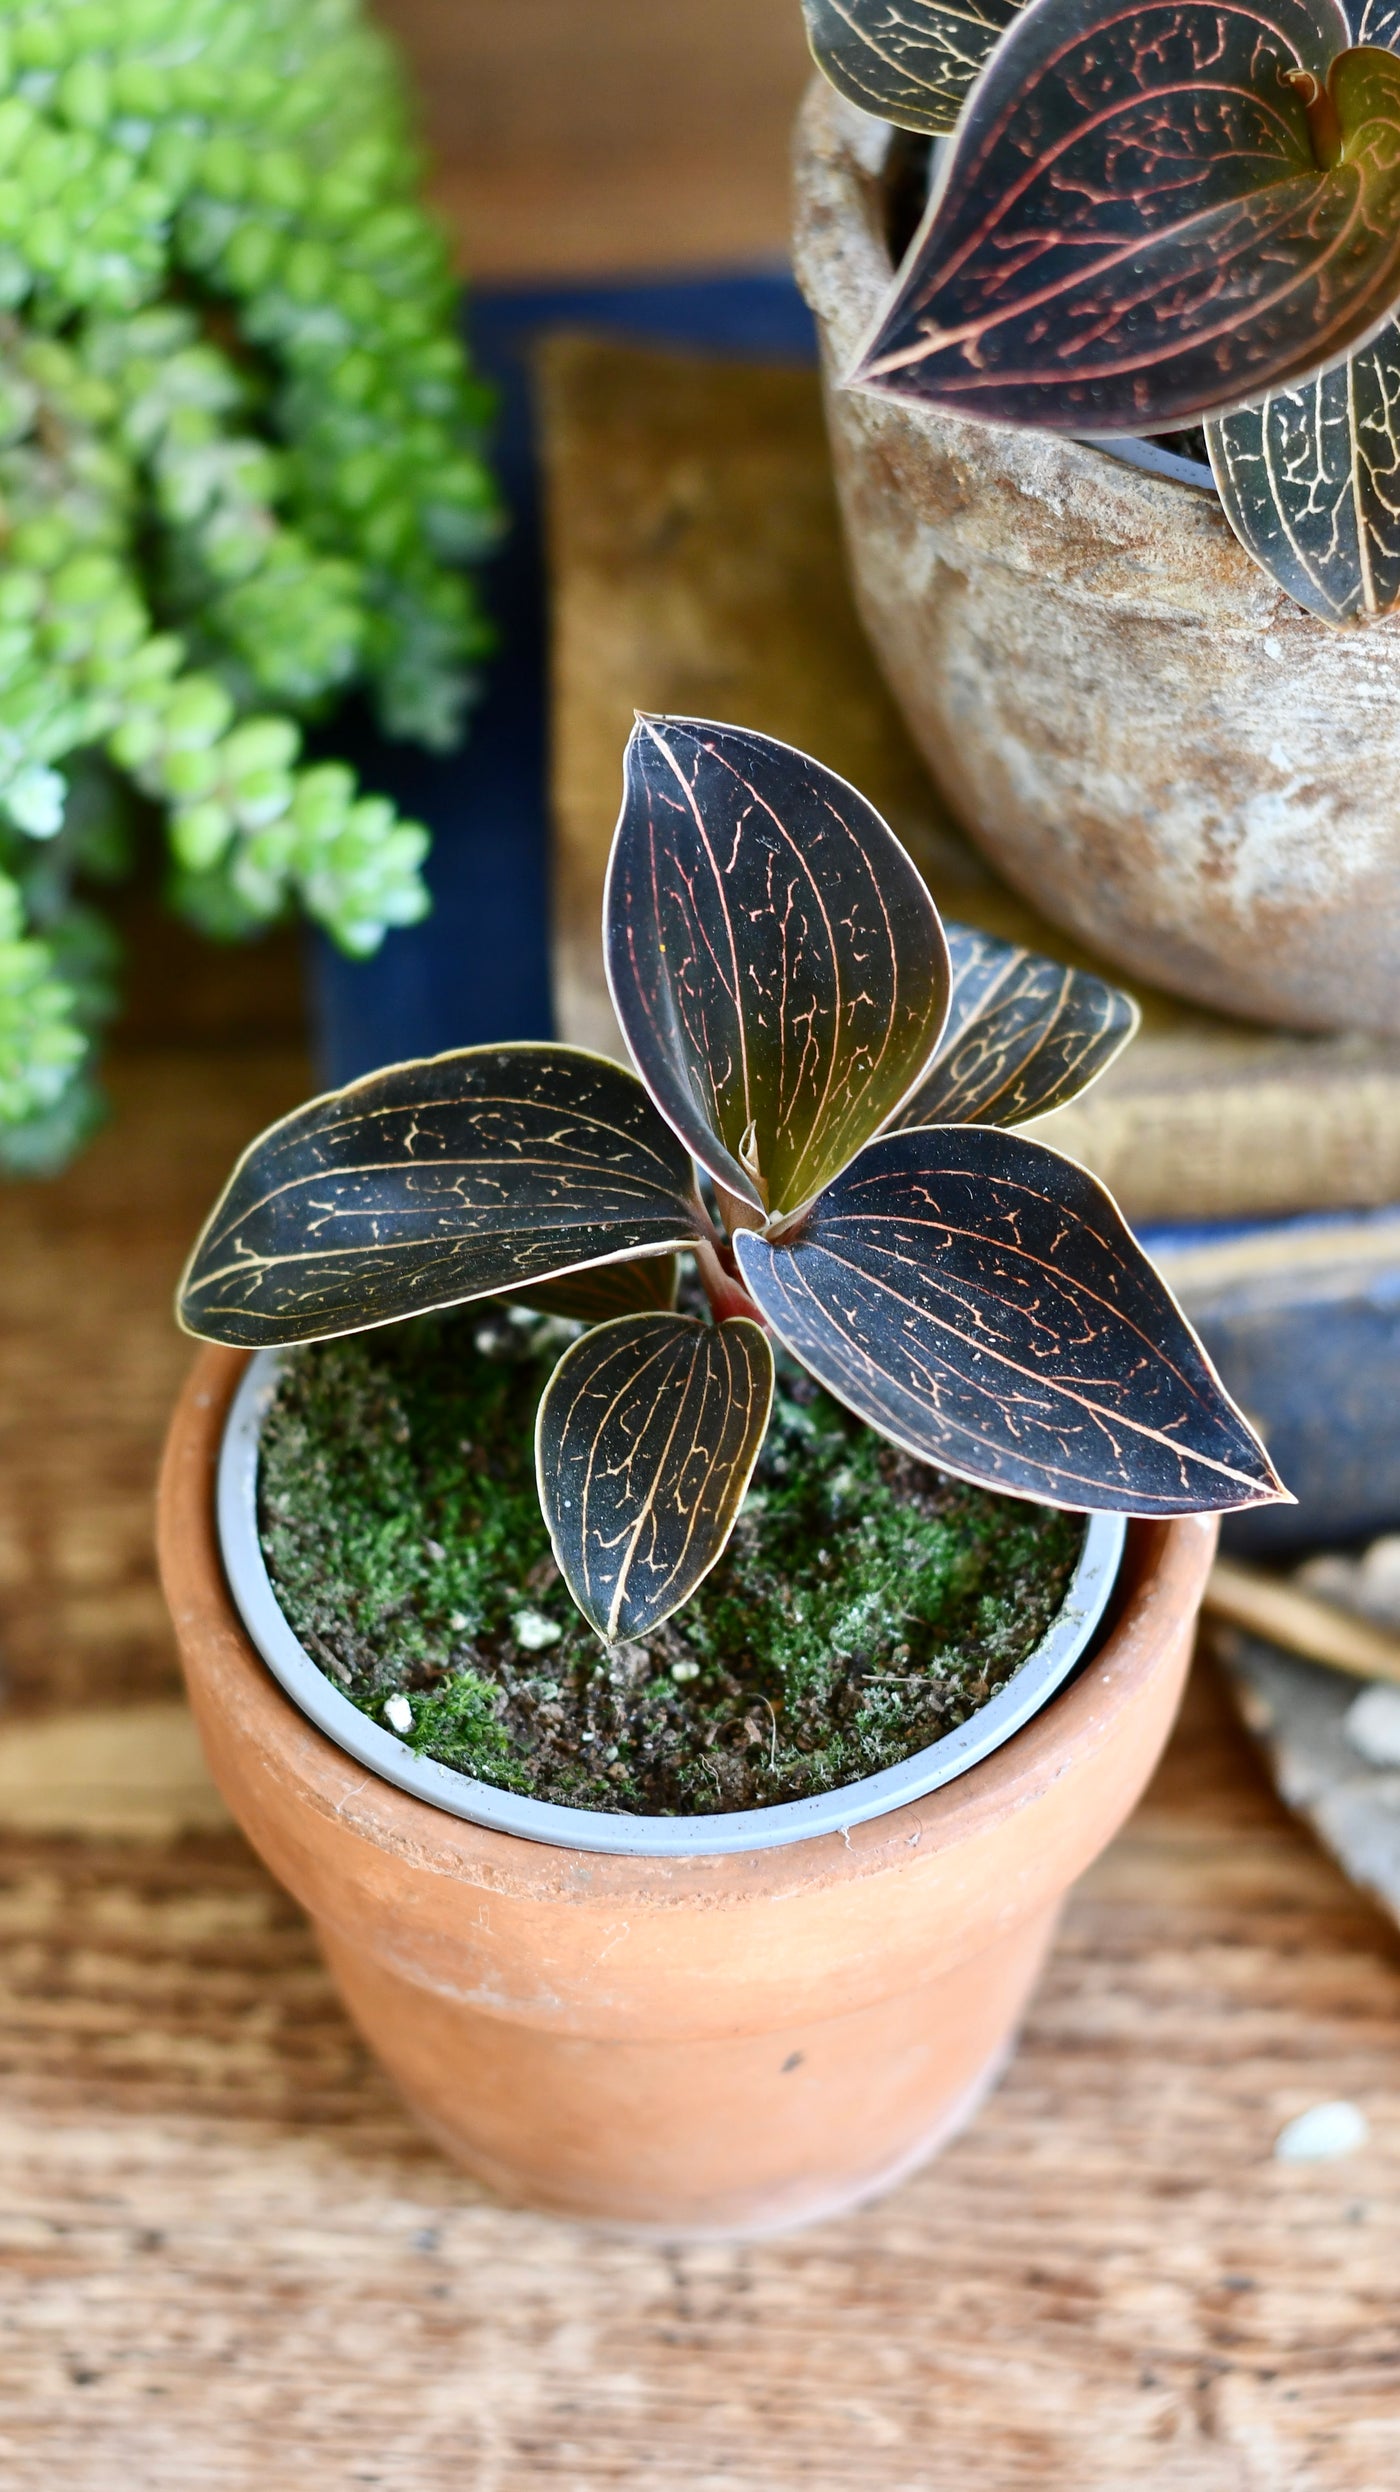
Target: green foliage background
(241, 468)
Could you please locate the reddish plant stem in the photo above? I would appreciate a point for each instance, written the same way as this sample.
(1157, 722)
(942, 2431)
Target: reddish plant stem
(1324, 123)
(737, 1213)
(723, 1287)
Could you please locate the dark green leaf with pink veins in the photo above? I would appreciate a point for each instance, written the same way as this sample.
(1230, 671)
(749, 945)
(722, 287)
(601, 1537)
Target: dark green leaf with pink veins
(1309, 478)
(979, 1300)
(910, 61)
(648, 1432)
(603, 1290)
(1024, 1034)
(1152, 213)
(1310, 482)
(776, 963)
(458, 1177)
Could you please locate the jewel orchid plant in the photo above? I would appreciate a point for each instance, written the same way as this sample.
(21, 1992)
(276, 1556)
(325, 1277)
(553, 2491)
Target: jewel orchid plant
(1154, 216)
(825, 1082)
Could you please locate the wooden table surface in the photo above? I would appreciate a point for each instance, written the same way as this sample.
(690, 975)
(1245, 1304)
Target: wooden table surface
(226, 2258)
(606, 134)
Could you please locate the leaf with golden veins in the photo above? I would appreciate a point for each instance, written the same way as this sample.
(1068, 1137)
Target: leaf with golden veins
(457, 1177)
(648, 1432)
(911, 62)
(1024, 1035)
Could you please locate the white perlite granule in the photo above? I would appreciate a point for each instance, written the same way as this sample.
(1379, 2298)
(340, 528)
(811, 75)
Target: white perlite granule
(1323, 2134)
(533, 1631)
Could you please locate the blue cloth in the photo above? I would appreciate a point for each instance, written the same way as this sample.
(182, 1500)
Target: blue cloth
(477, 969)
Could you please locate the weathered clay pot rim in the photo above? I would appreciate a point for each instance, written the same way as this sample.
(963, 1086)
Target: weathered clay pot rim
(1165, 1568)
(443, 1787)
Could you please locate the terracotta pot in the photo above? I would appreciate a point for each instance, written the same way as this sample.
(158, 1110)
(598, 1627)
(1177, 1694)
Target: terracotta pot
(1147, 738)
(691, 2046)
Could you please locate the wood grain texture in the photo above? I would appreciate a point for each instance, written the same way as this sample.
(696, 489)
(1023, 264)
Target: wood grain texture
(567, 137)
(698, 568)
(229, 2264)
(89, 1359)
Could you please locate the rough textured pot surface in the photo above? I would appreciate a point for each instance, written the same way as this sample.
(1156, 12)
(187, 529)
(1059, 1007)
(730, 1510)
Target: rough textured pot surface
(703, 2045)
(1147, 737)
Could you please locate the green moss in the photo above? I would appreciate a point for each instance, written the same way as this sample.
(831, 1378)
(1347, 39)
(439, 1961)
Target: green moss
(866, 1604)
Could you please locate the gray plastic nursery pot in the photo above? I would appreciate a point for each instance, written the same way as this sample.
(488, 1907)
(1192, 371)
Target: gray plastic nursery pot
(721, 2042)
(592, 1830)
(1145, 735)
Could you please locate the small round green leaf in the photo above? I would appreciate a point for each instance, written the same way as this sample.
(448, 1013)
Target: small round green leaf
(648, 1432)
(457, 1177)
(776, 963)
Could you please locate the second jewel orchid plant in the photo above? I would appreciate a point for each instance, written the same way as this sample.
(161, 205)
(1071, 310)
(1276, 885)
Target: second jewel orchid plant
(1159, 214)
(825, 1081)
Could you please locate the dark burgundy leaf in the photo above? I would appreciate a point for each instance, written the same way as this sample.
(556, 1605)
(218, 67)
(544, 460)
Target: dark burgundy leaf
(910, 61)
(648, 1432)
(979, 1299)
(432, 1182)
(1023, 1035)
(1152, 213)
(1310, 483)
(603, 1290)
(776, 963)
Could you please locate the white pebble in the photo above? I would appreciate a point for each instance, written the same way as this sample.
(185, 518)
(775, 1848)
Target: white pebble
(398, 1713)
(685, 1670)
(532, 1630)
(1322, 2134)
(1380, 1578)
(1369, 1584)
(1371, 1725)
(1332, 1577)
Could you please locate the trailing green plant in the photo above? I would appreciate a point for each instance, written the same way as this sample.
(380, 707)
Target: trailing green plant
(1156, 216)
(240, 469)
(825, 1079)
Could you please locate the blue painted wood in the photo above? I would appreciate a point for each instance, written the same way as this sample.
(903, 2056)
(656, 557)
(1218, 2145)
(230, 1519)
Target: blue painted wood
(477, 969)
(1302, 1319)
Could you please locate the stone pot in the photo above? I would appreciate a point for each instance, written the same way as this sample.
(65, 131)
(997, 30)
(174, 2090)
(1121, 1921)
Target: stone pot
(703, 2045)
(1146, 736)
